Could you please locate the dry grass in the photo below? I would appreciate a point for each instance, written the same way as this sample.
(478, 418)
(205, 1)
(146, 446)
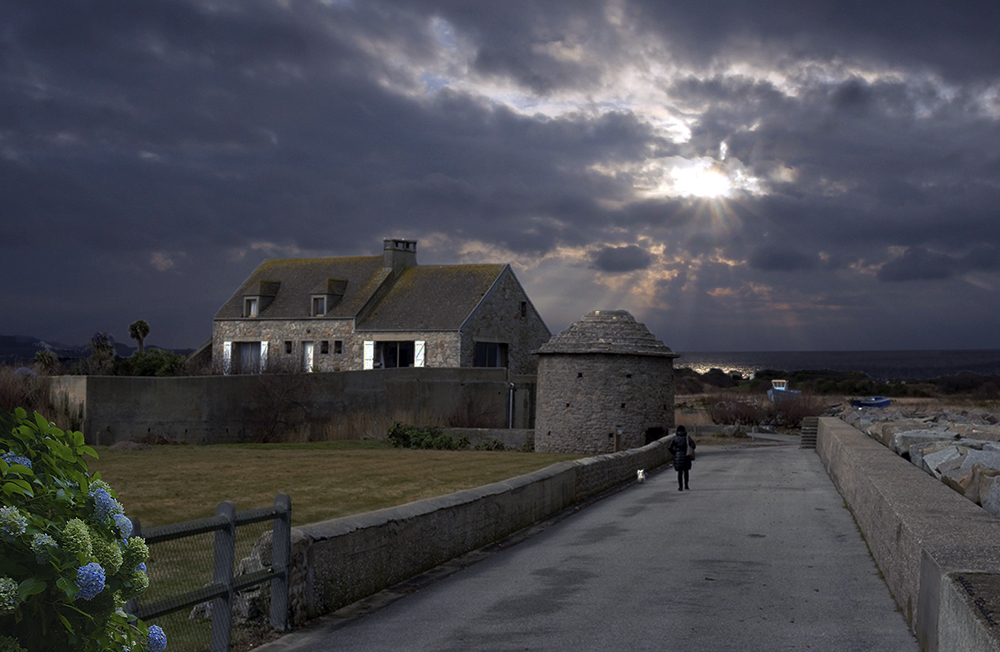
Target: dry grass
(170, 484)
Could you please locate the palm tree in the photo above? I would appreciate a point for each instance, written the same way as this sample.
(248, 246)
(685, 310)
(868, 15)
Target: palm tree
(138, 330)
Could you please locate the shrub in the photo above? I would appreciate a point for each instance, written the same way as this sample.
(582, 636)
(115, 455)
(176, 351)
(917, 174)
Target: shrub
(154, 362)
(734, 410)
(492, 445)
(23, 390)
(431, 437)
(790, 411)
(67, 562)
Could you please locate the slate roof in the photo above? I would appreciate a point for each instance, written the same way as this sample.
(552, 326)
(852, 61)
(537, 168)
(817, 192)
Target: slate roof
(607, 331)
(432, 298)
(422, 297)
(299, 278)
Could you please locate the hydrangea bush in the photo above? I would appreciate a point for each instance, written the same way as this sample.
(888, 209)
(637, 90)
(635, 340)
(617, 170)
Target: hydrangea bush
(68, 562)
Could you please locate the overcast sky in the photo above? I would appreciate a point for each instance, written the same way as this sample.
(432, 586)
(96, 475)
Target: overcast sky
(766, 175)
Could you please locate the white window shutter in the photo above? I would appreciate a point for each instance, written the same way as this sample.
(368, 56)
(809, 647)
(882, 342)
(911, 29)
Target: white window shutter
(227, 357)
(369, 354)
(263, 357)
(418, 353)
(308, 349)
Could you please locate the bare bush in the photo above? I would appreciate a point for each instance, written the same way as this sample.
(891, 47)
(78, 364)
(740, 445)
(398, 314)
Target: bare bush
(790, 411)
(22, 387)
(732, 409)
(478, 411)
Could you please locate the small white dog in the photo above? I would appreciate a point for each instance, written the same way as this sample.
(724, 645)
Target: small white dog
(641, 475)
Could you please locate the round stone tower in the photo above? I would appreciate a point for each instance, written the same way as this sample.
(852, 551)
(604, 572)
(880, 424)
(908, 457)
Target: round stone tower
(605, 384)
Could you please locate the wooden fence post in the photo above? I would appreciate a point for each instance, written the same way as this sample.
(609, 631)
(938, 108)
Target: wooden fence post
(222, 607)
(281, 560)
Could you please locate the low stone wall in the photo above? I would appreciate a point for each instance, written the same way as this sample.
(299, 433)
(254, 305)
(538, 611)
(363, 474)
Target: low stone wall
(938, 552)
(340, 561)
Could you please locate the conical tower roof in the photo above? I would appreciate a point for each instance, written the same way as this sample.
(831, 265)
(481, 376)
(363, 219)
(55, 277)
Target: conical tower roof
(614, 332)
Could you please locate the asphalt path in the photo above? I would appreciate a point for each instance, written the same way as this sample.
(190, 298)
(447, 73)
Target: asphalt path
(761, 554)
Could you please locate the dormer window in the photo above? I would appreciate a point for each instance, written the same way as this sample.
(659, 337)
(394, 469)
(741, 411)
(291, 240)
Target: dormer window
(318, 306)
(251, 306)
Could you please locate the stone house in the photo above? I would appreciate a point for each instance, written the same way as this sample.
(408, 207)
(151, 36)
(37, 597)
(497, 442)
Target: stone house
(605, 384)
(377, 312)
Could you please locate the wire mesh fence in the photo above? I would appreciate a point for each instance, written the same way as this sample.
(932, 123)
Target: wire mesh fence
(219, 583)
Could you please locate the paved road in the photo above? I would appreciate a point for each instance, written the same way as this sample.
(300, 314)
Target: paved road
(761, 554)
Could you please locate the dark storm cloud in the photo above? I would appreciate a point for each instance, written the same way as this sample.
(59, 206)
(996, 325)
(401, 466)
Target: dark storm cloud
(159, 148)
(781, 259)
(919, 264)
(955, 39)
(618, 260)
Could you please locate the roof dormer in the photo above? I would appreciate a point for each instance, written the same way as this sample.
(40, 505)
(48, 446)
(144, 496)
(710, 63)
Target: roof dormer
(327, 295)
(258, 297)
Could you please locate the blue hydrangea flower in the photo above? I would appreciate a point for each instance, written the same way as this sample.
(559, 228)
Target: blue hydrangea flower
(90, 579)
(124, 525)
(8, 595)
(104, 504)
(157, 639)
(12, 523)
(41, 545)
(11, 458)
(141, 567)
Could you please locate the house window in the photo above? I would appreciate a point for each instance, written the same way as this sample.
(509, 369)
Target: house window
(319, 306)
(490, 354)
(391, 355)
(288, 347)
(524, 308)
(338, 347)
(250, 307)
(324, 347)
(249, 357)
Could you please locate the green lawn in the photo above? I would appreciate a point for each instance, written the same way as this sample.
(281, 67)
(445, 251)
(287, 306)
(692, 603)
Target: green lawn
(170, 484)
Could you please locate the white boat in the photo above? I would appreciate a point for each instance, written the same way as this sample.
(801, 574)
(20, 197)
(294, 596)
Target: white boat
(780, 392)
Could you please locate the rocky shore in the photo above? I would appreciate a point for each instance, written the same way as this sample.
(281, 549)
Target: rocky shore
(959, 446)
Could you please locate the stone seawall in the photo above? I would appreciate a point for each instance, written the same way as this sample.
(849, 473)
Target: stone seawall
(340, 561)
(938, 552)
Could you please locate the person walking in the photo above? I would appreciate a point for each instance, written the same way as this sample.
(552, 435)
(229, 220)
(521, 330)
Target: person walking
(682, 447)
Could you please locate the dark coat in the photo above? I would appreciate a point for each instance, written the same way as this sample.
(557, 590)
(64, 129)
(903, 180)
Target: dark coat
(678, 447)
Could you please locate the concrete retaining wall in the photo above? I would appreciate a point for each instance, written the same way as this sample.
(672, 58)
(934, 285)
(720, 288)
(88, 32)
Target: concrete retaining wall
(938, 552)
(345, 559)
(291, 407)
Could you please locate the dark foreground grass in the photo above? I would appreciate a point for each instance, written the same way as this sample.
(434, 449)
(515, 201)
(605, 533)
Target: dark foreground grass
(170, 484)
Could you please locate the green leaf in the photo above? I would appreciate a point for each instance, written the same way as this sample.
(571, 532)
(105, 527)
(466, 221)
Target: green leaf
(10, 489)
(69, 588)
(87, 450)
(30, 587)
(19, 486)
(65, 621)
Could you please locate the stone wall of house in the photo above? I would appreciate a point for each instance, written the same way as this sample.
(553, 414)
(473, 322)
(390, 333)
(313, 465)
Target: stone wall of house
(290, 407)
(584, 399)
(499, 319)
(297, 331)
(441, 347)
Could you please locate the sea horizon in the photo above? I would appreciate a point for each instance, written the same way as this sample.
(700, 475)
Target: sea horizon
(895, 364)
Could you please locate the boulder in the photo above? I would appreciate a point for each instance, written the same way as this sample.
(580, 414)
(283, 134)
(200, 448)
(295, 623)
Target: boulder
(918, 451)
(934, 461)
(989, 493)
(901, 441)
